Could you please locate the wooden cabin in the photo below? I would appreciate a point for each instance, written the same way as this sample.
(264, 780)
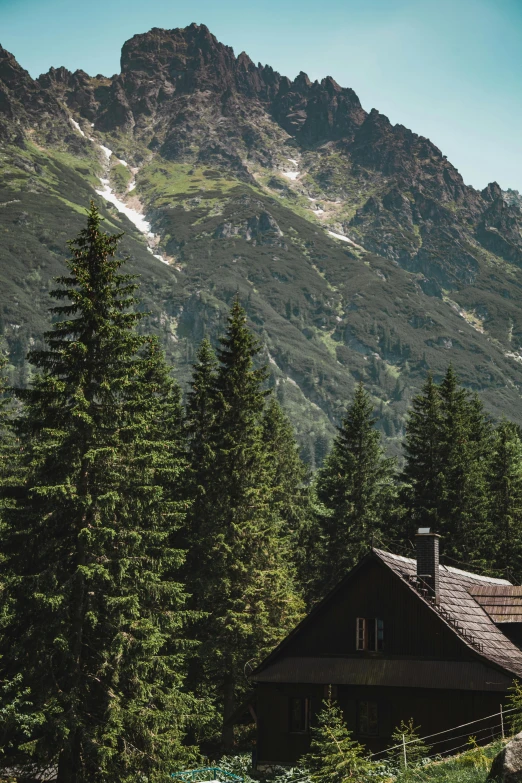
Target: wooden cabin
(396, 639)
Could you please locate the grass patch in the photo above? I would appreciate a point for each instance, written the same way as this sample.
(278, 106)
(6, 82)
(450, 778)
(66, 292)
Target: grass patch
(471, 766)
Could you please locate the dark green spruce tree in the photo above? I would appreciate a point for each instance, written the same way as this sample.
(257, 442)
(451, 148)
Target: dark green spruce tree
(465, 450)
(201, 411)
(289, 478)
(8, 451)
(334, 756)
(93, 615)
(422, 474)
(243, 577)
(505, 497)
(445, 480)
(356, 488)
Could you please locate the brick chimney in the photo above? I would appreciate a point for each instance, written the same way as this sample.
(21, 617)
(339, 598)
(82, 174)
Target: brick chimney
(428, 561)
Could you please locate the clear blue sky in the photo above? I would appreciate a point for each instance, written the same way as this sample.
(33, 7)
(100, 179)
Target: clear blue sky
(448, 69)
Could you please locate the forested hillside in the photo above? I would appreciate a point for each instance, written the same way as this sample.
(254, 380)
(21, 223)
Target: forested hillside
(154, 552)
(356, 248)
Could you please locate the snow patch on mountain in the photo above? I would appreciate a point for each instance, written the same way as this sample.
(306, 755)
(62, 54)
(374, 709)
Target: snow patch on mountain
(77, 126)
(341, 237)
(109, 195)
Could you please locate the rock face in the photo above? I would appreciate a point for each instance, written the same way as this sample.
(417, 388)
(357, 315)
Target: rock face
(360, 251)
(187, 97)
(507, 765)
(26, 106)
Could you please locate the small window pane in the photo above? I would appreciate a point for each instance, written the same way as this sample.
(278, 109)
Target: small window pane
(360, 634)
(368, 718)
(298, 715)
(380, 635)
(372, 639)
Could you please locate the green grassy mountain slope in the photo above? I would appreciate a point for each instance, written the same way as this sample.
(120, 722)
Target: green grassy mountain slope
(355, 246)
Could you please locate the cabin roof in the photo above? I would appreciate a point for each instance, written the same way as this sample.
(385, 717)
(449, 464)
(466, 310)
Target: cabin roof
(503, 603)
(462, 612)
(470, 605)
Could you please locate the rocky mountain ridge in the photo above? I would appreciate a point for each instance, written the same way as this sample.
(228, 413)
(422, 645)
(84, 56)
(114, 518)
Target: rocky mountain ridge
(356, 245)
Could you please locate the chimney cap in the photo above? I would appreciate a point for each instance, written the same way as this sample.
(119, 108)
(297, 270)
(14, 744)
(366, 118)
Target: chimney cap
(426, 531)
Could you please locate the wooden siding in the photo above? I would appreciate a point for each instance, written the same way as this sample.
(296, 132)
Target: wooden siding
(432, 710)
(410, 627)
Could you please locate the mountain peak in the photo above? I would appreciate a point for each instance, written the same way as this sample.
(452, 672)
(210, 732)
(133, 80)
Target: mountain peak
(344, 222)
(25, 104)
(492, 192)
(330, 84)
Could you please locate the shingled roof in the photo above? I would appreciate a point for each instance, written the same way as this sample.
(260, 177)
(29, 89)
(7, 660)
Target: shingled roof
(503, 603)
(461, 595)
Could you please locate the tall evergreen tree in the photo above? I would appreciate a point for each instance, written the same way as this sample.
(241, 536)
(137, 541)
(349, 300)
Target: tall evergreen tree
(201, 407)
(289, 482)
(465, 446)
(447, 446)
(93, 615)
(356, 488)
(201, 412)
(505, 496)
(423, 467)
(7, 441)
(243, 577)
(295, 498)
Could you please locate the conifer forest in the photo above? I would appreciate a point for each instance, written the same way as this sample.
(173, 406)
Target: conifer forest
(156, 546)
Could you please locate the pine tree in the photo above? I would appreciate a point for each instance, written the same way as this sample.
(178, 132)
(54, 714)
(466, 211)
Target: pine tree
(423, 467)
(448, 444)
(289, 481)
(243, 577)
(505, 496)
(201, 412)
(464, 455)
(94, 617)
(334, 757)
(356, 488)
(201, 409)
(407, 748)
(7, 438)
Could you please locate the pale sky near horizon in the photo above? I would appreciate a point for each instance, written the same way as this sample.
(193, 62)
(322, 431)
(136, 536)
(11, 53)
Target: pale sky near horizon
(448, 69)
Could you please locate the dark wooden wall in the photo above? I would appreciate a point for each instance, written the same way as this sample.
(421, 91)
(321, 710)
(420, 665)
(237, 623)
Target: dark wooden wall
(431, 709)
(410, 627)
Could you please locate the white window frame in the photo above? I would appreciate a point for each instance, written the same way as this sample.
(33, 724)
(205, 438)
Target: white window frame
(360, 634)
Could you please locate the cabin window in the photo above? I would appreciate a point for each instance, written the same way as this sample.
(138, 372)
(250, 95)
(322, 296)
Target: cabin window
(299, 715)
(369, 634)
(368, 718)
(361, 633)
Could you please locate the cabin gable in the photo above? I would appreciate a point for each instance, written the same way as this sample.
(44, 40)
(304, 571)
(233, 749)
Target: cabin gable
(409, 627)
